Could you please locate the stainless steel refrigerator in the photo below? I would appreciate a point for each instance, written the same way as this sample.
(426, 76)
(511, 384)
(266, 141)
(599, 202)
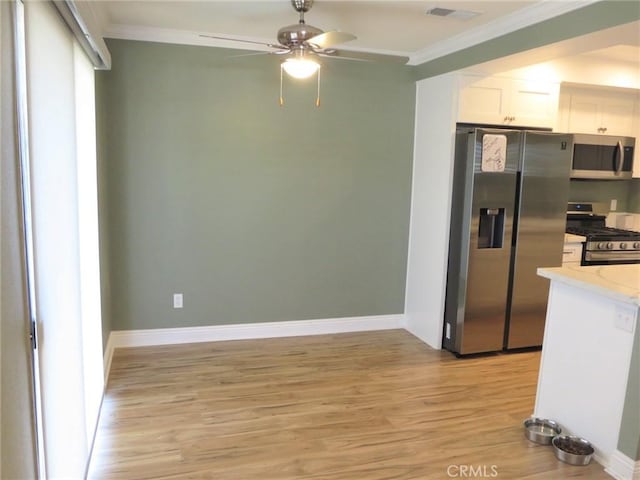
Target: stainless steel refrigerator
(508, 216)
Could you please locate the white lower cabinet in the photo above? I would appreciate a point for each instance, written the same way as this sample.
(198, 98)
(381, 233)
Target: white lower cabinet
(572, 253)
(572, 250)
(586, 359)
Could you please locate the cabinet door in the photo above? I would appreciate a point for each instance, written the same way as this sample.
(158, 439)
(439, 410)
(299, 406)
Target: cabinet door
(584, 114)
(534, 104)
(484, 101)
(604, 113)
(617, 117)
(572, 253)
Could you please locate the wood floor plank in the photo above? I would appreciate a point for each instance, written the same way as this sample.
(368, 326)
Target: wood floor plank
(359, 406)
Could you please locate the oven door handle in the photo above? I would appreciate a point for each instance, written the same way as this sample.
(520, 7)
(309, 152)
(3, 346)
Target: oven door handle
(619, 159)
(626, 256)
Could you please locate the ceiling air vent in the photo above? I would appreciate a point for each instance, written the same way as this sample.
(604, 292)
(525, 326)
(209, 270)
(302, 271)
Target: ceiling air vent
(447, 12)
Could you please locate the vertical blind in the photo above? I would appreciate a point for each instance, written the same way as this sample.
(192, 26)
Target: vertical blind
(65, 246)
(17, 428)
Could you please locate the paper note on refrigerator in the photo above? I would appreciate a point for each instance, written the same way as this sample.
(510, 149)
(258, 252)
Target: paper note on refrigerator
(494, 153)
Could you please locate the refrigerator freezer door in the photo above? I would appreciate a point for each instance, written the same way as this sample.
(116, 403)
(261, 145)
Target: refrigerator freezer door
(541, 221)
(483, 206)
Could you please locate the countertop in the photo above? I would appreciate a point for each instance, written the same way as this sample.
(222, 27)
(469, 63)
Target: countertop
(619, 282)
(571, 238)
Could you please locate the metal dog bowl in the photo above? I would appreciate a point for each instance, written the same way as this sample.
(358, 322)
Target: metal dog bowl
(572, 450)
(540, 430)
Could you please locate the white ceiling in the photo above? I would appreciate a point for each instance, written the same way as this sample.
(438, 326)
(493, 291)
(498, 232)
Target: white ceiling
(620, 53)
(398, 27)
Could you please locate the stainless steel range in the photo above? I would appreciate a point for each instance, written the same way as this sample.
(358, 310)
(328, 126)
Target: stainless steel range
(603, 245)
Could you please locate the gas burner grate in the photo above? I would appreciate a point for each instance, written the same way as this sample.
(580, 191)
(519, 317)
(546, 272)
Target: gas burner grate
(608, 231)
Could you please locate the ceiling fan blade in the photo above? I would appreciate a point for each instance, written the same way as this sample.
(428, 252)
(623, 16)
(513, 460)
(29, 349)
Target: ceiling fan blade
(249, 54)
(364, 56)
(272, 45)
(328, 39)
(254, 53)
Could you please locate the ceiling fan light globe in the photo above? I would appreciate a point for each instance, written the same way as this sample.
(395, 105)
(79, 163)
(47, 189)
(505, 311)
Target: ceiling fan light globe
(300, 67)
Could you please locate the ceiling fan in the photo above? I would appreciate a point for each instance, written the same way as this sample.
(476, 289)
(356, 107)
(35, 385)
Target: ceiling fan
(301, 41)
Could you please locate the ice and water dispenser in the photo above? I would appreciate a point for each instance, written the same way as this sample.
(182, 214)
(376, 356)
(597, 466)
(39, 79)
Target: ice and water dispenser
(491, 228)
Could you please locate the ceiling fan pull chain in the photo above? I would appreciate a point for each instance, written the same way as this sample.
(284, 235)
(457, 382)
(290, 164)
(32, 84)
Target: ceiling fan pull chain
(281, 97)
(318, 96)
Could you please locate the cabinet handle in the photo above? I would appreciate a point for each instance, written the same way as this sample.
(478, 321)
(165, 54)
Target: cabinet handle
(506, 119)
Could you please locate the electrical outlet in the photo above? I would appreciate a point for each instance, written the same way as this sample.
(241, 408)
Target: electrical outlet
(177, 300)
(614, 205)
(625, 319)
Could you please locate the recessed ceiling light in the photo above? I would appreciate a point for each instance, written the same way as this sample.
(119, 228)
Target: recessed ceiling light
(447, 12)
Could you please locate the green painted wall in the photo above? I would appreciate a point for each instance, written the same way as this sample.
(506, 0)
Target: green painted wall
(591, 18)
(254, 212)
(633, 202)
(629, 438)
(604, 191)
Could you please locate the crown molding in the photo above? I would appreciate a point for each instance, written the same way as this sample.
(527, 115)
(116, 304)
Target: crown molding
(180, 37)
(531, 15)
(94, 13)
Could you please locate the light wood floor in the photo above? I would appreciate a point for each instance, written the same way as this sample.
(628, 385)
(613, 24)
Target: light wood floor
(361, 406)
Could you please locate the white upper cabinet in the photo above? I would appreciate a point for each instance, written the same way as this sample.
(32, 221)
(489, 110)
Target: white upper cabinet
(507, 101)
(483, 100)
(534, 104)
(599, 112)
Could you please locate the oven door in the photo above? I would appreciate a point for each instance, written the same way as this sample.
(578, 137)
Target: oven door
(602, 157)
(619, 257)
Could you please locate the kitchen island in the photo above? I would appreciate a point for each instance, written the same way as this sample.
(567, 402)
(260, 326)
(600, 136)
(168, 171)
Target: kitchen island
(590, 336)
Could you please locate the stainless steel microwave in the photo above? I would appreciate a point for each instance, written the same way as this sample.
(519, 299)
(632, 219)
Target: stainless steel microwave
(603, 157)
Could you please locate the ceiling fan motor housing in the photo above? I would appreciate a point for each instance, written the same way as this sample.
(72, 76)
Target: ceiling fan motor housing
(293, 35)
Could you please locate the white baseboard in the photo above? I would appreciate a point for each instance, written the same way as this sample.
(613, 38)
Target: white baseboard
(108, 356)
(214, 333)
(622, 467)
